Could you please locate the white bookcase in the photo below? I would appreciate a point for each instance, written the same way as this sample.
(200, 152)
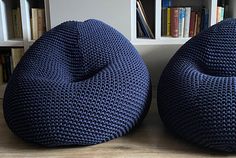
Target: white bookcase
(121, 14)
(6, 38)
(102, 10)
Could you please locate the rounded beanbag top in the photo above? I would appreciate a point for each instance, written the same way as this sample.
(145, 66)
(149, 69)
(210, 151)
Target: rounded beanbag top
(197, 90)
(81, 83)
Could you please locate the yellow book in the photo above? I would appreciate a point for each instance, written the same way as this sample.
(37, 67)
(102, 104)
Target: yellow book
(41, 22)
(34, 23)
(168, 22)
(16, 54)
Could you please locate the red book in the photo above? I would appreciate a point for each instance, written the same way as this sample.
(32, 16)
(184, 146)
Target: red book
(192, 24)
(174, 22)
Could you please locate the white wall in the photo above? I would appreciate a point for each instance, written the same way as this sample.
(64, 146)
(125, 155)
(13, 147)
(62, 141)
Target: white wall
(116, 13)
(156, 57)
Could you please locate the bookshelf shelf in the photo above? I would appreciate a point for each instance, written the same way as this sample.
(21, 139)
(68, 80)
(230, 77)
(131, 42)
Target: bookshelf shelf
(160, 41)
(12, 43)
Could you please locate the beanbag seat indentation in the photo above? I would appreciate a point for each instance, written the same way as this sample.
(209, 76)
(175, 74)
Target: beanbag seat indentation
(197, 89)
(81, 83)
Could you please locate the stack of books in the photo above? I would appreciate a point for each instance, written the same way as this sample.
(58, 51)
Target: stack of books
(183, 21)
(38, 25)
(143, 27)
(9, 58)
(16, 23)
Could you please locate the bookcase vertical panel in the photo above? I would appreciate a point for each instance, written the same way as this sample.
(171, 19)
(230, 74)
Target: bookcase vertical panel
(213, 11)
(133, 21)
(4, 21)
(158, 18)
(47, 15)
(232, 8)
(25, 22)
(208, 4)
(8, 21)
(2, 27)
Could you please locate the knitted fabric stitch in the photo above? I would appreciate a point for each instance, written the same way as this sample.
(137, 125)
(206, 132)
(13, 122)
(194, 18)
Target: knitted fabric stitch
(197, 89)
(81, 83)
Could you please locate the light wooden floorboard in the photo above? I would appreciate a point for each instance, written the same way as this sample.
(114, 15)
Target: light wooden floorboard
(149, 140)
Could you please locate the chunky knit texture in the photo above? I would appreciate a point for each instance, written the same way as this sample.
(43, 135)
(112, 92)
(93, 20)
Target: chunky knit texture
(81, 83)
(197, 90)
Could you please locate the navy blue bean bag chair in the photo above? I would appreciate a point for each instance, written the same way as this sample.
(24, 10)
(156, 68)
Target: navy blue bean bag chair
(197, 89)
(81, 83)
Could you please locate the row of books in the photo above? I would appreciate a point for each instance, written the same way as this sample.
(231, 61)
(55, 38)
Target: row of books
(184, 21)
(38, 25)
(16, 23)
(143, 26)
(9, 58)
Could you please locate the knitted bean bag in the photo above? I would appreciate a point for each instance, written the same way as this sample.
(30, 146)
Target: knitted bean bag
(197, 89)
(81, 83)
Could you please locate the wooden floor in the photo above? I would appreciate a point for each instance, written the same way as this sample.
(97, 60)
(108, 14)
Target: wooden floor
(149, 140)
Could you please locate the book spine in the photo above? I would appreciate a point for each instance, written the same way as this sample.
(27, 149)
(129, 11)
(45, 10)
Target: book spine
(16, 54)
(202, 19)
(181, 21)
(199, 22)
(222, 13)
(8, 67)
(139, 30)
(144, 19)
(206, 19)
(1, 74)
(174, 20)
(19, 23)
(192, 24)
(226, 9)
(141, 24)
(170, 3)
(14, 23)
(187, 21)
(4, 74)
(196, 24)
(168, 22)
(34, 23)
(166, 3)
(218, 15)
(41, 22)
(164, 22)
(140, 7)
